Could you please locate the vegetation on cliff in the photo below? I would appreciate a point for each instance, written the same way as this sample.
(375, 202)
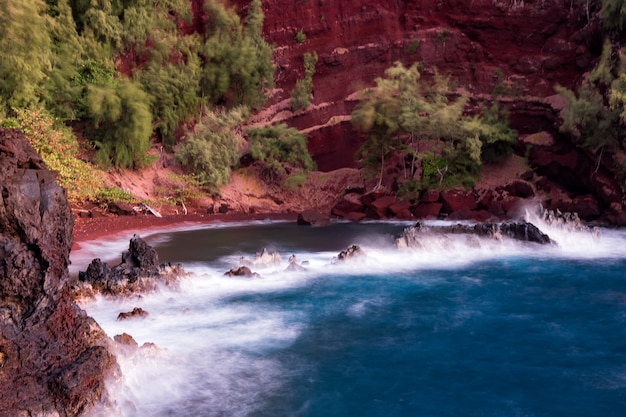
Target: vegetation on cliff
(127, 72)
(423, 124)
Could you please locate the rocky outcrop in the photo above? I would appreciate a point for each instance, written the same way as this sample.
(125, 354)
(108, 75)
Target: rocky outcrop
(53, 357)
(139, 272)
(576, 180)
(523, 231)
(500, 203)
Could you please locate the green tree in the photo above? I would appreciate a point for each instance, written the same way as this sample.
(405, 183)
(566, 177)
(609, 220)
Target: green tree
(237, 67)
(26, 52)
(425, 120)
(591, 123)
(121, 121)
(211, 148)
(613, 14)
(377, 116)
(281, 149)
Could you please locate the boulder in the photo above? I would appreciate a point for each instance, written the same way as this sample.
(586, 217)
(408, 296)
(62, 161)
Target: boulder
(353, 251)
(294, 265)
(241, 271)
(313, 218)
(457, 200)
(137, 312)
(355, 216)
(523, 231)
(520, 188)
(349, 203)
(427, 210)
(401, 209)
(379, 208)
(430, 196)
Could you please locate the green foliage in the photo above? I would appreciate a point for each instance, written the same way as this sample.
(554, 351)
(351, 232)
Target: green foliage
(108, 195)
(121, 122)
(618, 96)
(237, 67)
(613, 13)
(211, 149)
(496, 138)
(26, 52)
(300, 36)
(413, 46)
(181, 189)
(591, 124)
(601, 74)
(174, 87)
(281, 149)
(58, 147)
(403, 114)
(301, 94)
(295, 181)
(442, 37)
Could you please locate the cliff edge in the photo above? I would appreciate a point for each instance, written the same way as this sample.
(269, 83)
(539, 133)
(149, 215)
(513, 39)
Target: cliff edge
(53, 357)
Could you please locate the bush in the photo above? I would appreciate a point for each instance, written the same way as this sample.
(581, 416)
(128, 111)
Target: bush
(301, 94)
(211, 149)
(281, 149)
(58, 147)
(121, 122)
(300, 36)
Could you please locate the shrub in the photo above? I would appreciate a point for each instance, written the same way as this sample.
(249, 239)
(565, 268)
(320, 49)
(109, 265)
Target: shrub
(300, 36)
(281, 149)
(211, 149)
(58, 147)
(122, 123)
(301, 94)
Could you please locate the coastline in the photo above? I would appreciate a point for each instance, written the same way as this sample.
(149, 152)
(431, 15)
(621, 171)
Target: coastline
(89, 229)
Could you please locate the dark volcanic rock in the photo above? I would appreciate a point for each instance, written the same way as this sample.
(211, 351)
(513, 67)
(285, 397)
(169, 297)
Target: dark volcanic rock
(54, 357)
(523, 231)
(353, 251)
(137, 312)
(241, 271)
(138, 272)
(313, 218)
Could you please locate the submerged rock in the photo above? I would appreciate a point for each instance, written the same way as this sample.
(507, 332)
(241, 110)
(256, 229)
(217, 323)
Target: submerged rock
(137, 312)
(294, 265)
(139, 272)
(241, 271)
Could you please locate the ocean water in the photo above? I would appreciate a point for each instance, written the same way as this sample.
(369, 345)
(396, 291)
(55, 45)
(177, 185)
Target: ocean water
(456, 328)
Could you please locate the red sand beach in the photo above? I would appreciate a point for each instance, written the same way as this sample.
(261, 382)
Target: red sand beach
(87, 229)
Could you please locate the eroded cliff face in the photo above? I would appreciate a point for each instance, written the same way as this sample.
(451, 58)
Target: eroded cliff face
(525, 46)
(53, 357)
(521, 48)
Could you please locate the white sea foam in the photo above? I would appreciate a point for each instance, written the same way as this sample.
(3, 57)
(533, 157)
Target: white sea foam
(213, 343)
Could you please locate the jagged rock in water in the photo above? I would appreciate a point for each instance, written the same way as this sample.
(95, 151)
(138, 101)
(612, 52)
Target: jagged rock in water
(54, 358)
(266, 258)
(294, 265)
(241, 271)
(523, 231)
(353, 251)
(137, 312)
(566, 220)
(139, 272)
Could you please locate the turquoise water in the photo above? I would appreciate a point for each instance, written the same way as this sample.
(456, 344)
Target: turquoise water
(454, 329)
